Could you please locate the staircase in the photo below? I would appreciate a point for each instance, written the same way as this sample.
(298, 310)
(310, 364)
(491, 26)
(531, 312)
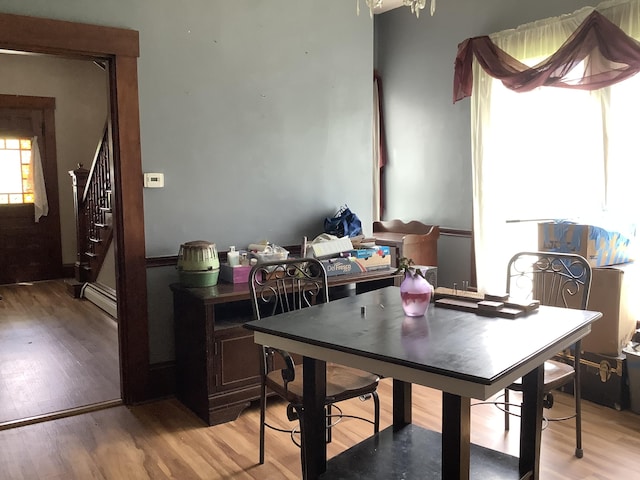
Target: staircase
(92, 206)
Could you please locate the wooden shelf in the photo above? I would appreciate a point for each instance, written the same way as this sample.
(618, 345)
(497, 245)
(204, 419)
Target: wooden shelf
(414, 452)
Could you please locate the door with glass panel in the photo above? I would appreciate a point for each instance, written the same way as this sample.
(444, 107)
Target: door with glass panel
(30, 245)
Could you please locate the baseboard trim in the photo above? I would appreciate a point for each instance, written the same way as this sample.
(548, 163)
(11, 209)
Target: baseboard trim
(70, 412)
(101, 296)
(162, 380)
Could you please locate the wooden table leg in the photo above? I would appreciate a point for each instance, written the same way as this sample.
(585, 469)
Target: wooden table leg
(456, 436)
(531, 422)
(312, 422)
(401, 403)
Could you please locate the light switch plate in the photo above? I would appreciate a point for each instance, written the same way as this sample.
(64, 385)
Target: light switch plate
(154, 180)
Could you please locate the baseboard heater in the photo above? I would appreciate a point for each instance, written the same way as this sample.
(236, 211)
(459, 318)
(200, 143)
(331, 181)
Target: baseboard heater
(102, 296)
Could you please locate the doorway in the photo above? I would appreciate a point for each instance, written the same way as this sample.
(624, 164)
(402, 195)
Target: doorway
(57, 354)
(120, 49)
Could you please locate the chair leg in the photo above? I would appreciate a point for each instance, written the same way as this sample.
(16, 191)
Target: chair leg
(303, 462)
(577, 396)
(263, 408)
(376, 412)
(329, 421)
(506, 409)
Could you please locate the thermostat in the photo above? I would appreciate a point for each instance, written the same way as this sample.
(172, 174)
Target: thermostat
(154, 180)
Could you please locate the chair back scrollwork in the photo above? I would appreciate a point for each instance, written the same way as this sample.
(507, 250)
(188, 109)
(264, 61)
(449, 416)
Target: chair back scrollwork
(282, 286)
(555, 279)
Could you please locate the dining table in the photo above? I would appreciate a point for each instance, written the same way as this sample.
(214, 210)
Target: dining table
(463, 354)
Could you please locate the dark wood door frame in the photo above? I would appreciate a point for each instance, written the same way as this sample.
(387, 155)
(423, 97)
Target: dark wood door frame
(120, 47)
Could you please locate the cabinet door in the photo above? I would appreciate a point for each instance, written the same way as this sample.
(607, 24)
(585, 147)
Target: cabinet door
(237, 359)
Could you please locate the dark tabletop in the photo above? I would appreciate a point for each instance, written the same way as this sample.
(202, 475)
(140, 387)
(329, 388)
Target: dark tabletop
(457, 344)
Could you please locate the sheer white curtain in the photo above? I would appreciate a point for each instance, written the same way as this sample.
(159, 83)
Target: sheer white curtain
(40, 202)
(550, 153)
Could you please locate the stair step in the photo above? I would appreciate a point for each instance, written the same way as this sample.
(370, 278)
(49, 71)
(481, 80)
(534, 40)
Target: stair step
(91, 254)
(101, 225)
(106, 209)
(95, 240)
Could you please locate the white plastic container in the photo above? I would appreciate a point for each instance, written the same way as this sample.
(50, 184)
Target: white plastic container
(233, 257)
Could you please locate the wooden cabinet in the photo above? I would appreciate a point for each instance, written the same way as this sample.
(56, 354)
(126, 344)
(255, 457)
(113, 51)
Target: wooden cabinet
(217, 361)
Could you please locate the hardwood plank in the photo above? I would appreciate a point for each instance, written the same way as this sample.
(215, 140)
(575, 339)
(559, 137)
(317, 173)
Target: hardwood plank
(165, 440)
(56, 352)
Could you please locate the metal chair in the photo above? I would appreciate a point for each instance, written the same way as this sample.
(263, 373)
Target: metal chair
(283, 286)
(556, 279)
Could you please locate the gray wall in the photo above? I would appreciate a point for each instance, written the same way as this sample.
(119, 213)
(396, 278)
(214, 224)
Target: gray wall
(258, 115)
(429, 138)
(258, 112)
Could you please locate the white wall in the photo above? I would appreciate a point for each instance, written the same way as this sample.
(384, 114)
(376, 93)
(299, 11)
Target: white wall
(80, 90)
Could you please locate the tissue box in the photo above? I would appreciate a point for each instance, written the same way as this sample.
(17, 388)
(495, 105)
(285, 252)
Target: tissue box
(599, 246)
(239, 274)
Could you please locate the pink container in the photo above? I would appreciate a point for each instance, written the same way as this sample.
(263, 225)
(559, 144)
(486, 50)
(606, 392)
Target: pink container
(239, 274)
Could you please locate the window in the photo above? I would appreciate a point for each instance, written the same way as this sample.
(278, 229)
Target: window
(16, 171)
(550, 153)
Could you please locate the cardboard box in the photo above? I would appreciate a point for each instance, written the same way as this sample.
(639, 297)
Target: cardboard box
(345, 266)
(380, 250)
(614, 292)
(599, 246)
(372, 258)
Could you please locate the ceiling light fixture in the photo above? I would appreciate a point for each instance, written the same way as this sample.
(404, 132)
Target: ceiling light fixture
(416, 6)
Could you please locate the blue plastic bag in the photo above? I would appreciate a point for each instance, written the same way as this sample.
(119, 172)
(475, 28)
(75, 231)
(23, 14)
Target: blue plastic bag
(345, 223)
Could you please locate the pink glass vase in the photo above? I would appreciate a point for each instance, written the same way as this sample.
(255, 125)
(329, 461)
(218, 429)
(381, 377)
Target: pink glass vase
(415, 292)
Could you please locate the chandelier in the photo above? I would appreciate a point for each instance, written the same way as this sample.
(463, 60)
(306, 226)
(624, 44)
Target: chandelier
(416, 6)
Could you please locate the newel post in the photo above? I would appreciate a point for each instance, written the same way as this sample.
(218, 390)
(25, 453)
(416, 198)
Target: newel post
(79, 177)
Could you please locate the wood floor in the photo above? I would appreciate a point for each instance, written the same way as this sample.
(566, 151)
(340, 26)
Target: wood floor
(56, 352)
(164, 440)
